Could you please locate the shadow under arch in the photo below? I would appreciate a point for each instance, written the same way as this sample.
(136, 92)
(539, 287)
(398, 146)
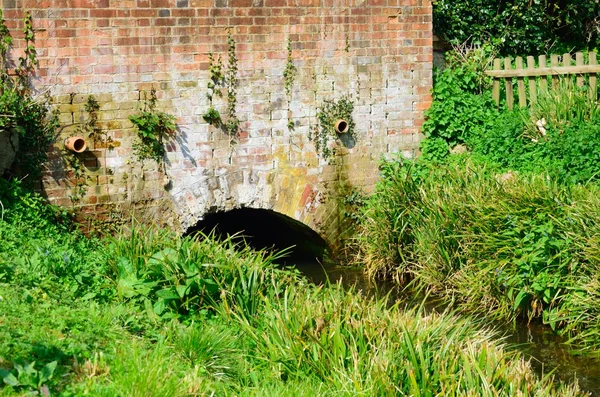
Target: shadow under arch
(270, 230)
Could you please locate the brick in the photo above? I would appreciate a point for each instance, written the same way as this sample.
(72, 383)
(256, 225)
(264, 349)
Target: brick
(379, 52)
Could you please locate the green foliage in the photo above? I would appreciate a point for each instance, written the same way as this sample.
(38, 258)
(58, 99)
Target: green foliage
(5, 46)
(27, 377)
(560, 107)
(290, 71)
(27, 63)
(462, 103)
(215, 83)
(220, 320)
(41, 250)
(520, 27)
(289, 75)
(323, 134)
(179, 277)
(155, 128)
(434, 150)
(354, 202)
(569, 152)
(218, 80)
(501, 245)
(20, 112)
(232, 124)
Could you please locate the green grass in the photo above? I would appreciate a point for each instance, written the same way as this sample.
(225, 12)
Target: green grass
(149, 314)
(501, 245)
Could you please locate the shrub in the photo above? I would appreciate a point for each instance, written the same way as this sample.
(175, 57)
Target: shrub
(462, 104)
(520, 26)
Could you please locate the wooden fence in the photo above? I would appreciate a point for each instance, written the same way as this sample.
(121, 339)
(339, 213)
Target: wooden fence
(537, 74)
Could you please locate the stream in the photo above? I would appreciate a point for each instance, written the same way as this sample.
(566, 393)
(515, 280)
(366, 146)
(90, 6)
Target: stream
(536, 341)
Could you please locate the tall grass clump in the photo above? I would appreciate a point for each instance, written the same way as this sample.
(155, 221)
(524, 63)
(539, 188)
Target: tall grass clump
(355, 346)
(504, 245)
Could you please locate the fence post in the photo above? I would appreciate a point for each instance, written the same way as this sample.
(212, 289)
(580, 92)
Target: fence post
(532, 82)
(496, 86)
(593, 77)
(580, 62)
(554, 63)
(521, 84)
(510, 96)
(543, 62)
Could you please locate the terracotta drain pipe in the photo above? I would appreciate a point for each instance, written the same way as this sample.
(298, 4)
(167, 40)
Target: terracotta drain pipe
(342, 126)
(76, 144)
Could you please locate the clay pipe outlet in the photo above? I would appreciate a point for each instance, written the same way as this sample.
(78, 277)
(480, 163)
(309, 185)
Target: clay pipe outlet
(342, 126)
(76, 144)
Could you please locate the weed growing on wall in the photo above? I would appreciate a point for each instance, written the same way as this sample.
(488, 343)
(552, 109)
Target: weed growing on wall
(32, 118)
(92, 128)
(215, 82)
(289, 75)
(324, 134)
(155, 128)
(28, 61)
(232, 125)
(223, 78)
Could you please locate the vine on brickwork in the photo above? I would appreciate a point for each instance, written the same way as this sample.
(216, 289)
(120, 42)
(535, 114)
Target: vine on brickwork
(27, 63)
(216, 81)
(31, 118)
(5, 46)
(221, 78)
(155, 128)
(73, 162)
(324, 133)
(233, 123)
(289, 75)
(76, 170)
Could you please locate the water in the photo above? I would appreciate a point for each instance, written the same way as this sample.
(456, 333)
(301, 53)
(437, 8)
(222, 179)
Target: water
(546, 350)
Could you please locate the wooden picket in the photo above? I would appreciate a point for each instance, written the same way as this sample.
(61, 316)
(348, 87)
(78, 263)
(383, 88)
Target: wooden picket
(530, 73)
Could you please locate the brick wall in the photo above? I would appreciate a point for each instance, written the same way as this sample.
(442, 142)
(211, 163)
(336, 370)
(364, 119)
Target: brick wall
(378, 51)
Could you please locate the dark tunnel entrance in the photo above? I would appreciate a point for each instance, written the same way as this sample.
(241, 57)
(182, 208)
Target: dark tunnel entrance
(265, 229)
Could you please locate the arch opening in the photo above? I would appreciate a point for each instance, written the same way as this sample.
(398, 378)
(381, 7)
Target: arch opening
(269, 230)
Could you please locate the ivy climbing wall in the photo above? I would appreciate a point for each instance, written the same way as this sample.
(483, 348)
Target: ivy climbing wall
(296, 60)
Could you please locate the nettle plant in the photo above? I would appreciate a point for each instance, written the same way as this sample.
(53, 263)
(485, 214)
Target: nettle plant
(328, 114)
(155, 128)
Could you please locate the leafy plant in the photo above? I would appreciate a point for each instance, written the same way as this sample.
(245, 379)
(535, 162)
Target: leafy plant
(232, 124)
(28, 377)
(31, 117)
(215, 83)
(462, 104)
(27, 63)
(323, 133)
(434, 150)
(155, 128)
(289, 74)
(219, 79)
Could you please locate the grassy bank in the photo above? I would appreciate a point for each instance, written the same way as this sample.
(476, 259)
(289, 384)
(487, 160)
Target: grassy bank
(150, 314)
(504, 245)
